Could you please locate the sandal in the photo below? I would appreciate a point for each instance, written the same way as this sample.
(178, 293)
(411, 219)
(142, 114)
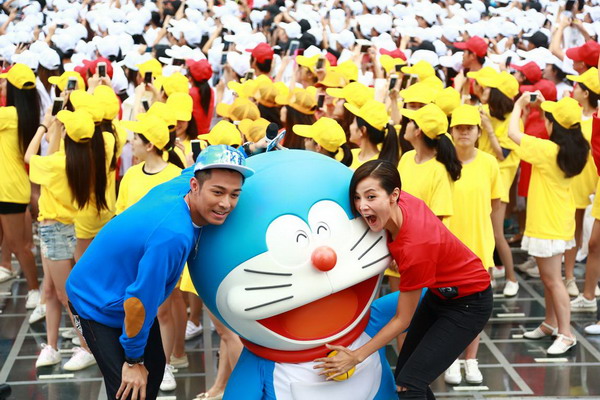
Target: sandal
(206, 396)
(561, 345)
(538, 333)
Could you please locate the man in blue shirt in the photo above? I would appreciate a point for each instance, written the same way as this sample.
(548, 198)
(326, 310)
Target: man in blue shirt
(134, 263)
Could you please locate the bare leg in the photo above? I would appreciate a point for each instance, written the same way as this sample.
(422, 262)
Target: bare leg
(53, 306)
(167, 328)
(81, 247)
(195, 308)
(592, 267)
(6, 259)
(501, 244)
(571, 254)
(13, 227)
(179, 314)
(555, 290)
(471, 350)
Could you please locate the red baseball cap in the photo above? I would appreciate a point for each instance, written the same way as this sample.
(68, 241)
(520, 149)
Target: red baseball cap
(588, 53)
(531, 70)
(200, 70)
(262, 52)
(93, 65)
(547, 89)
(475, 45)
(332, 59)
(397, 53)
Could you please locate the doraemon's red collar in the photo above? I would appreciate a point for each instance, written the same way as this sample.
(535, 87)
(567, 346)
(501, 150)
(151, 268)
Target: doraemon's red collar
(310, 354)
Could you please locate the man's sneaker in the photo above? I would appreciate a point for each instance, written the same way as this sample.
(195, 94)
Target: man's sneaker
(452, 375)
(581, 304)
(472, 373)
(5, 274)
(168, 383)
(48, 356)
(572, 288)
(530, 263)
(81, 359)
(498, 272)
(38, 314)
(192, 330)
(179, 362)
(510, 289)
(76, 341)
(69, 333)
(33, 299)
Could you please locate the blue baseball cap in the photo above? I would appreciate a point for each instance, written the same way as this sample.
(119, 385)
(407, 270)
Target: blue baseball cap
(223, 156)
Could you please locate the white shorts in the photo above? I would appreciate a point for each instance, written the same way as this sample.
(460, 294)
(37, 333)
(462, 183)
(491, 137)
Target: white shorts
(545, 247)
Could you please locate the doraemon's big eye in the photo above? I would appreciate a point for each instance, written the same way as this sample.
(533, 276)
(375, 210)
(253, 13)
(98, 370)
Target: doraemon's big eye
(323, 230)
(288, 239)
(330, 224)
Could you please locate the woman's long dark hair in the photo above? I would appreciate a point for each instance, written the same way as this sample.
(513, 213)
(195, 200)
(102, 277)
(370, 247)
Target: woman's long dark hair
(390, 148)
(107, 126)
(81, 170)
(347, 154)
(27, 103)
(294, 117)
(271, 114)
(500, 104)
(99, 160)
(169, 147)
(384, 171)
(446, 154)
(573, 148)
(205, 94)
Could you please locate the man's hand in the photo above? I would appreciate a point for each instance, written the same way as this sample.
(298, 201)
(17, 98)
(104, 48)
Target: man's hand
(133, 381)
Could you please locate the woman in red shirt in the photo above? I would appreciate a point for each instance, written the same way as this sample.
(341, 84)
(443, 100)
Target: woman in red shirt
(459, 300)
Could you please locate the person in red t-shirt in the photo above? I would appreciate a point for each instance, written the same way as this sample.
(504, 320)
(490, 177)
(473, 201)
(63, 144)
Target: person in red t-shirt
(459, 300)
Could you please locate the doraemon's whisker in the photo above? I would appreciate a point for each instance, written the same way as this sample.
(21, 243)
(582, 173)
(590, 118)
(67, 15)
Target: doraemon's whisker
(268, 287)
(376, 261)
(370, 247)
(269, 303)
(360, 240)
(268, 273)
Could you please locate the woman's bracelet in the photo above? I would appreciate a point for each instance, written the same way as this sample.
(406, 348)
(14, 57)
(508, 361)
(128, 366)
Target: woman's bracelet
(45, 127)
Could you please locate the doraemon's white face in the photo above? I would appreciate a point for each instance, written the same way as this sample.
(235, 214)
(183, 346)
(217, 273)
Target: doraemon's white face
(313, 285)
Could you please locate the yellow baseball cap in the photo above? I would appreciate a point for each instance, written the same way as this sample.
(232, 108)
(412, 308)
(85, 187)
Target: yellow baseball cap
(389, 63)
(566, 111)
(589, 78)
(430, 119)
(506, 83)
(311, 62)
(422, 69)
(326, 132)
(373, 112)
(433, 81)
(332, 79)
(254, 130)
(152, 65)
(244, 89)
(241, 108)
(62, 80)
(348, 69)
(354, 93)
(153, 128)
(82, 100)
(419, 93)
(79, 124)
(483, 72)
(162, 111)
(448, 100)
(224, 132)
(20, 76)
(176, 83)
(266, 93)
(465, 115)
(302, 100)
(181, 105)
(108, 101)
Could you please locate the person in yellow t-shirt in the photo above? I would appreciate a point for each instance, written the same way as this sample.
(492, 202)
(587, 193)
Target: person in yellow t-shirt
(63, 175)
(327, 137)
(18, 123)
(550, 223)
(370, 129)
(475, 194)
(587, 94)
(496, 92)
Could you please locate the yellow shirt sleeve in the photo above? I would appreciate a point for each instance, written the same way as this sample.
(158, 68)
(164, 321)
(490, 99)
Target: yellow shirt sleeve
(497, 186)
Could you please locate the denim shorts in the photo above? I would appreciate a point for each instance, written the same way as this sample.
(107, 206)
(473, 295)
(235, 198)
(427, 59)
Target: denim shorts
(57, 241)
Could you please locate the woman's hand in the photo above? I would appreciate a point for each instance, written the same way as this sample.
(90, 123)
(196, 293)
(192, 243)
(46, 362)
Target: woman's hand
(342, 362)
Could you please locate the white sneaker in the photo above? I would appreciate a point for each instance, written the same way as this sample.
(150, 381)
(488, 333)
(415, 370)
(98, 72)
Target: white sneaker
(572, 288)
(179, 362)
(38, 314)
(533, 272)
(6, 274)
(81, 359)
(192, 330)
(33, 299)
(472, 373)
(581, 304)
(493, 283)
(561, 345)
(69, 333)
(48, 356)
(510, 289)
(168, 383)
(592, 329)
(498, 272)
(523, 267)
(76, 341)
(597, 291)
(452, 376)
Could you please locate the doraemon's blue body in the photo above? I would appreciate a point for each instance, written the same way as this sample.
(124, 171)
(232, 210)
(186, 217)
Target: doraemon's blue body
(257, 273)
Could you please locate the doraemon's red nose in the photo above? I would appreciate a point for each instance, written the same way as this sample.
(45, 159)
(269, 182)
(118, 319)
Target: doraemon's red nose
(324, 258)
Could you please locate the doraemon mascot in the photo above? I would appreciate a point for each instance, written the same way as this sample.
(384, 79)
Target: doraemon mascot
(290, 270)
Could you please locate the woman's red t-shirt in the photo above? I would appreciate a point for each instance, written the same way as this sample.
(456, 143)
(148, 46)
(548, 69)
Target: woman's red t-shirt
(429, 255)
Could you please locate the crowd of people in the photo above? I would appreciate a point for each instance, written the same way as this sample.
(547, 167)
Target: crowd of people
(486, 110)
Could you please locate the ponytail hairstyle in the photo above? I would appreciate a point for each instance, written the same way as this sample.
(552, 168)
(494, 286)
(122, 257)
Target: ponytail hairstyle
(347, 157)
(98, 153)
(445, 153)
(206, 94)
(573, 149)
(27, 103)
(169, 147)
(81, 170)
(390, 149)
(107, 126)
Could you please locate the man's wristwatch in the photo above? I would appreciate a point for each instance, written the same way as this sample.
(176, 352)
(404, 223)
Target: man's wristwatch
(133, 361)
